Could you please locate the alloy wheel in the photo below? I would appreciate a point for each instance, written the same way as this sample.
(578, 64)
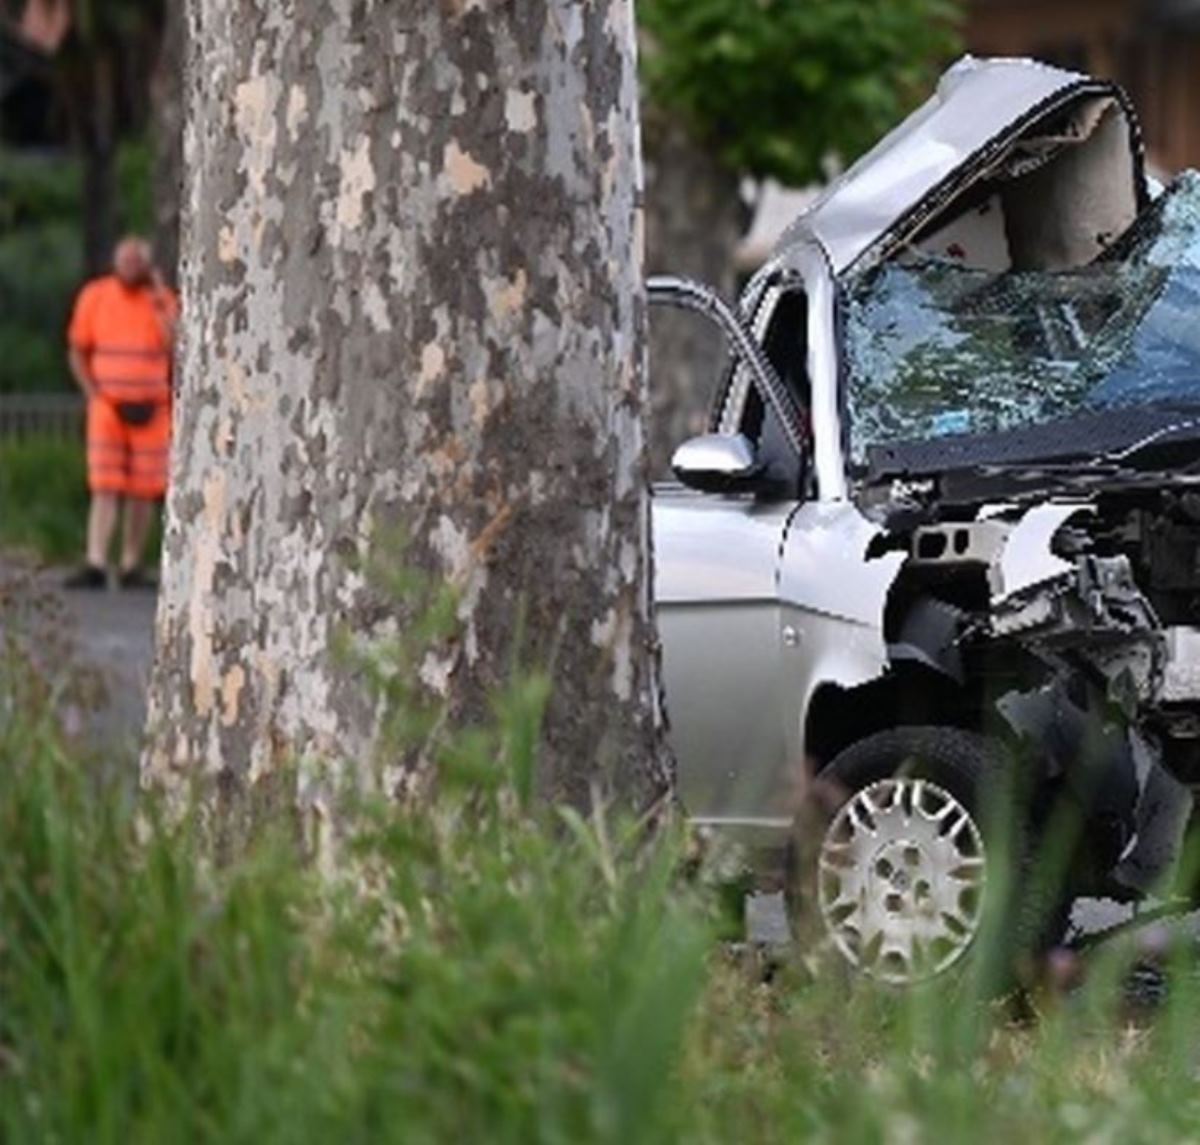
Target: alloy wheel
(901, 875)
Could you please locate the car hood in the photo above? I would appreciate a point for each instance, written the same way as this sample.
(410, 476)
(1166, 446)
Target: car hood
(1083, 443)
(978, 107)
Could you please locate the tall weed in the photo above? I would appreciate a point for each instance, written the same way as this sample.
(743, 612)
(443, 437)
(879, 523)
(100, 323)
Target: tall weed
(496, 970)
(501, 971)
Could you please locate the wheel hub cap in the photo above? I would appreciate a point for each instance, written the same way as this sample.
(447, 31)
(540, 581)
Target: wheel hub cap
(900, 880)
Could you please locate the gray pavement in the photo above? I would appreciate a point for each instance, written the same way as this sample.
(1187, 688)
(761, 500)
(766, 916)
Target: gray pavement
(102, 641)
(114, 635)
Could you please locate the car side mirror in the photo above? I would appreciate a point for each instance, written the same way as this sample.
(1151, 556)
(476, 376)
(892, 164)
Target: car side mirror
(717, 463)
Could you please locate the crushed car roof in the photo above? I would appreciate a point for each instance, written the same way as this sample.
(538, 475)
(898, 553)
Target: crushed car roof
(977, 104)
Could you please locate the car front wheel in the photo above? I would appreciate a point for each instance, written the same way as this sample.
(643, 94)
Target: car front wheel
(908, 849)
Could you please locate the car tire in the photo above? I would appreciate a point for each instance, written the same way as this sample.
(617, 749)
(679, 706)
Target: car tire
(901, 860)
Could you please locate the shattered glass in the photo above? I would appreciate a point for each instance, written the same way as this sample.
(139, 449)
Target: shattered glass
(935, 349)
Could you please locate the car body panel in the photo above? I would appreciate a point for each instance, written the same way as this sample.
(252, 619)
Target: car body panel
(716, 596)
(1027, 558)
(759, 605)
(833, 599)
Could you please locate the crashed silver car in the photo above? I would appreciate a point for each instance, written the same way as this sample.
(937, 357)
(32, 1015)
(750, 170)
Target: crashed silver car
(942, 539)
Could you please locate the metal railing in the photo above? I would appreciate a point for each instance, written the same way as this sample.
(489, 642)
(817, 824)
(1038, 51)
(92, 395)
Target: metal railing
(41, 415)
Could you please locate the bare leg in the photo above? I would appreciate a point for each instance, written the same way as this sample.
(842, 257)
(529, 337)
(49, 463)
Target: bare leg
(138, 515)
(102, 523)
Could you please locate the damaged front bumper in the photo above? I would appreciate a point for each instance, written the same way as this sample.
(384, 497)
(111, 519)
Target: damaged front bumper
(1070, 657)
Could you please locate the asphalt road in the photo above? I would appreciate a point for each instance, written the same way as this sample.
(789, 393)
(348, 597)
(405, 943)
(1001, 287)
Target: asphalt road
(114, 635)
(103, 638)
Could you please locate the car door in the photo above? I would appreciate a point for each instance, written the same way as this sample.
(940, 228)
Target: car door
(717, 605)
(717, 567)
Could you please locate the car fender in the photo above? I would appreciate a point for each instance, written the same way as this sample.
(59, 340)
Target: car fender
(833, 598)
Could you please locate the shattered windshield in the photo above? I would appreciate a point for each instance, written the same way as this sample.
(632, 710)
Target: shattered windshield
(935, 349)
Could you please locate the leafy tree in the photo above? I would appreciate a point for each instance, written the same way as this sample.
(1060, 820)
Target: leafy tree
(777, 86)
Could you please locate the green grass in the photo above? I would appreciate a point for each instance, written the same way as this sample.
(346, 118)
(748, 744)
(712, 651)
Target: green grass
(44, 499)
(489, 969)
(501, 972)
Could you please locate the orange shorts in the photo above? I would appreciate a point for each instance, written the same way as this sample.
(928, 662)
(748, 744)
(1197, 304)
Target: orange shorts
(127, 459)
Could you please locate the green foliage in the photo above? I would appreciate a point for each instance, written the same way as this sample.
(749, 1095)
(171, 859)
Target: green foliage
(113, 21)
(40, 269)
(41, 261)
(36, 190)
(545, 972)
(44, 499)
(41, 256)
(779, 86)
(135, 183)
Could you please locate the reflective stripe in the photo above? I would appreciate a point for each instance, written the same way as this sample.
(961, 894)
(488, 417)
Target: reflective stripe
(123, 458)
(129, 383)
(136, 362)
(158, 353)
(128, 391)
(131, 372)
(127, 372)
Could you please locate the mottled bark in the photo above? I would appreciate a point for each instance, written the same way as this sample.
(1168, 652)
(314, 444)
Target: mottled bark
(168, 140)
(693, 224)
(412, 297)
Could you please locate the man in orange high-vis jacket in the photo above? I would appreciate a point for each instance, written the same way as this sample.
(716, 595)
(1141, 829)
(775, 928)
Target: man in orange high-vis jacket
(119, 348)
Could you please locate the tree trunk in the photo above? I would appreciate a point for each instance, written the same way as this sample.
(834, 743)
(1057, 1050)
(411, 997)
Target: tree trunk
(168, 140)
(693, 224)
(412, 297)
(96, 131)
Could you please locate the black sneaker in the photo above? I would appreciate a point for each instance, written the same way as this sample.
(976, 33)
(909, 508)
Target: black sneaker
(87, 577)
(135, 578)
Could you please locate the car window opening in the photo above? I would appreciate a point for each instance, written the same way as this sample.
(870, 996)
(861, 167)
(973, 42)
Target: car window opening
(786, 346)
